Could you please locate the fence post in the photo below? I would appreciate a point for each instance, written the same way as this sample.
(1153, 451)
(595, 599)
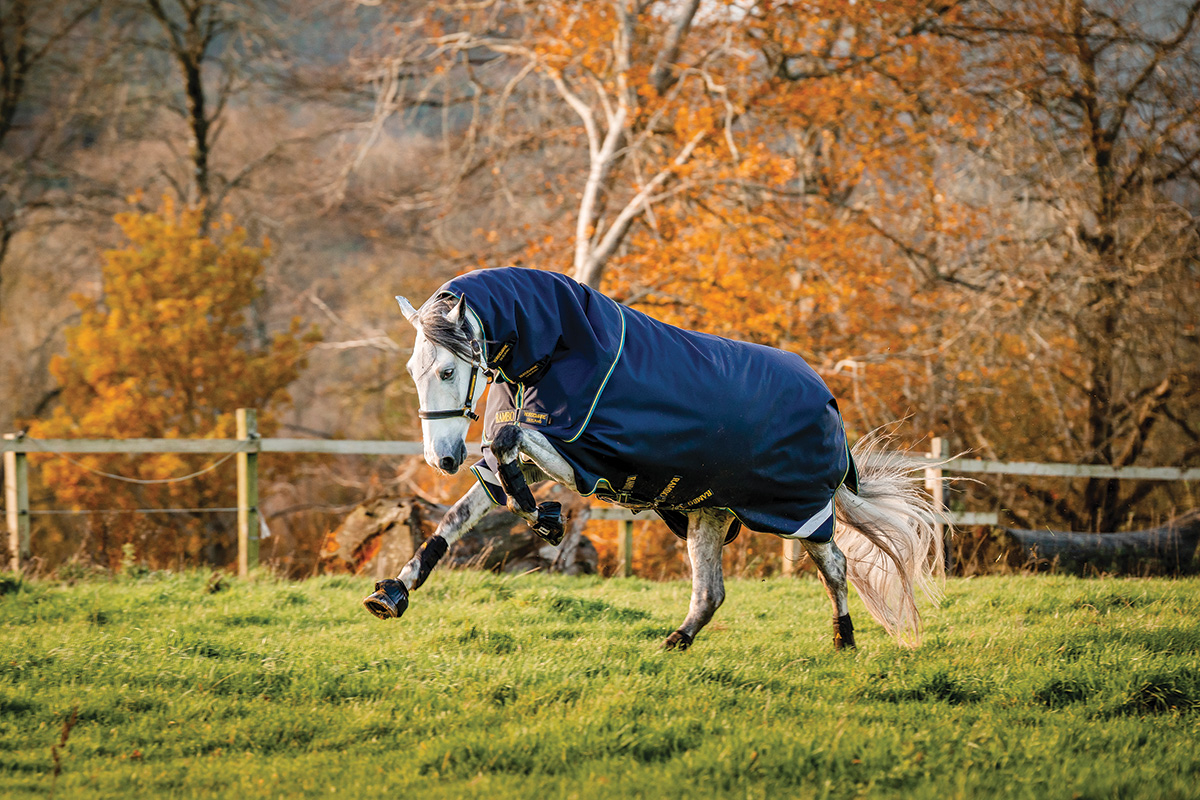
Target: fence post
(625, 548)
(16, 505)
(939, 448)
(247, 492)
(792, 552)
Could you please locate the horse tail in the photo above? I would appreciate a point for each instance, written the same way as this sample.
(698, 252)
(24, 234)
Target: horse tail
(886, 530)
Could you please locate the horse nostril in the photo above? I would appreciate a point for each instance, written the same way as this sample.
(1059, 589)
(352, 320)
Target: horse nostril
(449, 464)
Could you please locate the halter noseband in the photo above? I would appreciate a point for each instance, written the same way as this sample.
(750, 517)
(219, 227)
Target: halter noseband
(466, 410)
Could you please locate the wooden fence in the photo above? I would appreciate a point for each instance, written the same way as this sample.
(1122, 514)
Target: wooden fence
(249, 445)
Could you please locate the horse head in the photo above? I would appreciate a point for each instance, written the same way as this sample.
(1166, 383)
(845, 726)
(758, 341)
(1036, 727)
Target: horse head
(446, 366)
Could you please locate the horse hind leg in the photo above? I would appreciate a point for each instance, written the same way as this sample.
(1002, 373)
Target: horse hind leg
(706, 536)
(831, 564)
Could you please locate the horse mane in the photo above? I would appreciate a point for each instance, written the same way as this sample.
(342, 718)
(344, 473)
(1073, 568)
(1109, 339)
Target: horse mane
(455, 337)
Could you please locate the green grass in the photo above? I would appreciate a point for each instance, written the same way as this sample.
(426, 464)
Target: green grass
(538, 686)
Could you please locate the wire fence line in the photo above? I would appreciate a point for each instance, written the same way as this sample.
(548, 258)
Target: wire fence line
(143, 481)
(16, 447)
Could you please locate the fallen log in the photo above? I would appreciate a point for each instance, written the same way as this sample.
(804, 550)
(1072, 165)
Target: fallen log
(378, 537)
(1167, 550)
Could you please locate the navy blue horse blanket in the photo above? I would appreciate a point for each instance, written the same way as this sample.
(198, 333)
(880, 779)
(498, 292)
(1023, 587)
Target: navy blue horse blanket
(653, 416)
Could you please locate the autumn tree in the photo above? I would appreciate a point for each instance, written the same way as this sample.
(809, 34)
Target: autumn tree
(626, 106)
(1093, 170)
(33, 39)
(733, 163)
(764, 171)
(767, 171)
(216, 54)
(166, 352)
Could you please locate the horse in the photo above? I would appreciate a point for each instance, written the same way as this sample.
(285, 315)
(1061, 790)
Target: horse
(710, 433)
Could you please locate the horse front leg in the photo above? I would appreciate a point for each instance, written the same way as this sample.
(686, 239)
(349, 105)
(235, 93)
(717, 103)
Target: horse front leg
(706, 537)
(831, 563)
(390, 598)
(510, 444)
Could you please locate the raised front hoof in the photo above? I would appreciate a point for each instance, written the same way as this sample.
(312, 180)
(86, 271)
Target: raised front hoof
(549, 522)
(843, 633)
(678, 641)
(389, 600)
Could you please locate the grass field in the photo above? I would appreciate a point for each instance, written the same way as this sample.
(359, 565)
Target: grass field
(538, 686)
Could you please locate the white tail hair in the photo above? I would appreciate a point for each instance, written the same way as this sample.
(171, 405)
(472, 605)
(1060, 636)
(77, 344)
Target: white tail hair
(887, 533)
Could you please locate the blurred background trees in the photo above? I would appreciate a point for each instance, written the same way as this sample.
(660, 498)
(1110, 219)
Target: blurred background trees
(166, 351)
(978, 218)
(1099, 146)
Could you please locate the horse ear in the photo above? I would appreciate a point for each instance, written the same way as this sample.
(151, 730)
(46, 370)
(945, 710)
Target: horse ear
(456, 314)
(407, 310)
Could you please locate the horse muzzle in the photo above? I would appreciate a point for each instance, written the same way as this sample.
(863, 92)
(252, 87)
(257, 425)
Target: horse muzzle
(389, 600)
(447, 458)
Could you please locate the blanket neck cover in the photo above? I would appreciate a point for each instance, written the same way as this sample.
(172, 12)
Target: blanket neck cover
(653, 416)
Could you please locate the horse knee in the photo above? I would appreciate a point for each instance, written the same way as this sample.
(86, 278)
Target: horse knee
(506, 442)
(512, 478)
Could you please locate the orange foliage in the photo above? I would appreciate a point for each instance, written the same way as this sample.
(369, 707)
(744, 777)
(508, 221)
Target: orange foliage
(166, 351)
(818, 164)
(819, 131)
(830, 178)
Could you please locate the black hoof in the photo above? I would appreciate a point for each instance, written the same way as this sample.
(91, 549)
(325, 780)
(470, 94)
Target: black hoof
(389, 600)
(549, 522)
(843, 633)
(678, 641)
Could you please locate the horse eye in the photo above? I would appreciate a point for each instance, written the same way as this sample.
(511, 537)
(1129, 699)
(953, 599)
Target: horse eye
(448, 373)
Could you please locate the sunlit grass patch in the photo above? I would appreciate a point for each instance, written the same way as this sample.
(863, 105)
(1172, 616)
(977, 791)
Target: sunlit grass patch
(503, 686)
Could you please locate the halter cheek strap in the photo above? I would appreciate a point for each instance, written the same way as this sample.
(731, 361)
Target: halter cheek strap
(466, 410)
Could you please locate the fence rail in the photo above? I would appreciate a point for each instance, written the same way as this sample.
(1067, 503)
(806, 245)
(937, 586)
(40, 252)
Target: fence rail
(363, 447)
(250, 445)
(1033, 468)
(372, 447)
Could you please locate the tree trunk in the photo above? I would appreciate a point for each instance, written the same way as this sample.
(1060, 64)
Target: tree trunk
(379, 537)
